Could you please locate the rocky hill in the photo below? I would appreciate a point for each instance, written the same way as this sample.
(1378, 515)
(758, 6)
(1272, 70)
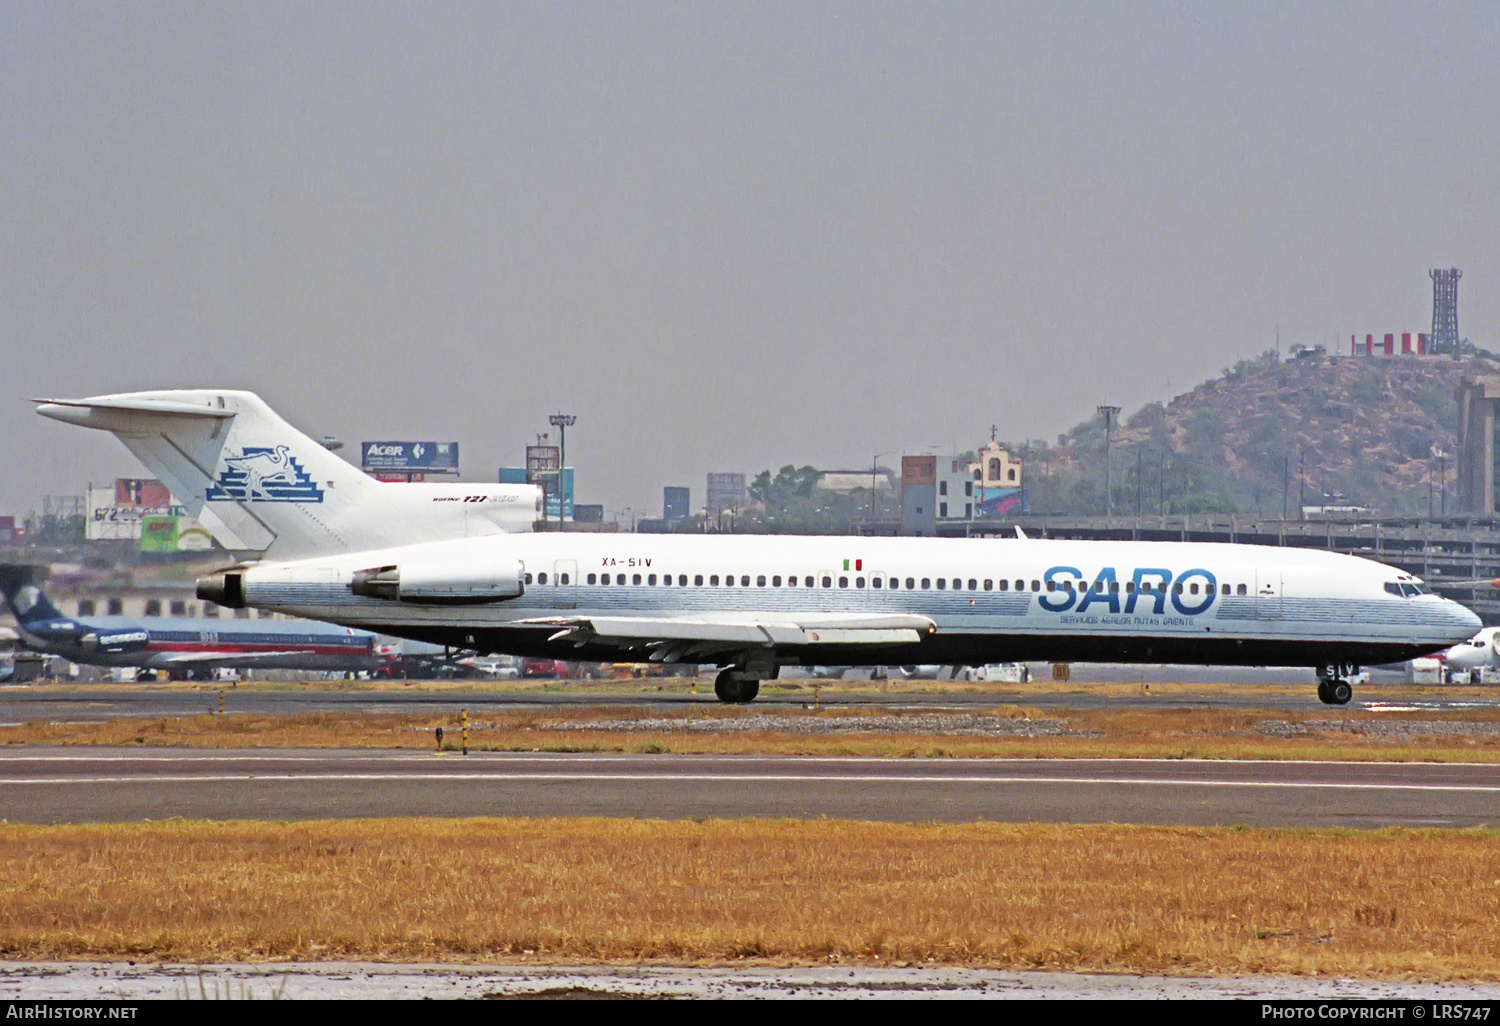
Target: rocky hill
(1364, 431)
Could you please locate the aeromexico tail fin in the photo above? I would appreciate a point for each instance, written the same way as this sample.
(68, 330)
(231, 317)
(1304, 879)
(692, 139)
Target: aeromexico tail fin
(257, 483)
(24, 595)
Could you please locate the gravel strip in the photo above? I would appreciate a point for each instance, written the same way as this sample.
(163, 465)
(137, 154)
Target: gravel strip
(1382, 730)
(950, 725)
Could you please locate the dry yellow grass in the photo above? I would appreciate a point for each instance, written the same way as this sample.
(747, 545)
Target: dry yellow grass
(1390, 903)
(1145, 732)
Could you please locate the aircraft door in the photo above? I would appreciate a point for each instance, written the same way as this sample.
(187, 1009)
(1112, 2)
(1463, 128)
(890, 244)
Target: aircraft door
(565, 584)
(1268, 592)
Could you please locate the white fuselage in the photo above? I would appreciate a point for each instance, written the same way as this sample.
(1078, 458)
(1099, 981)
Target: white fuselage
(1477, 653)
(987, 600)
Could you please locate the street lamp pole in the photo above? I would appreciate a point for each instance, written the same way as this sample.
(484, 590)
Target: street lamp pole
(1442, 457)
(1139, 488)
(1161, 482)
(1301, 485)
(1285, 478)
(874, 469)
(561, 421)
(1110, 412)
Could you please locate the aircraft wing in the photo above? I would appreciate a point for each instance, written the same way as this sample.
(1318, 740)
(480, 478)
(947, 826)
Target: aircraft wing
(676, 639)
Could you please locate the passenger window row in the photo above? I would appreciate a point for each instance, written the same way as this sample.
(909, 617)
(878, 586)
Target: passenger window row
(925, 584)
(1147, 588)
(791, 581)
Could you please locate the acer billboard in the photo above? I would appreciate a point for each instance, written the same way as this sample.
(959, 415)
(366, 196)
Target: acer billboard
(408, 456)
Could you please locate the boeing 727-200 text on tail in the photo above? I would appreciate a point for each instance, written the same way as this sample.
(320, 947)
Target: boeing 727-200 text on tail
(335, 545)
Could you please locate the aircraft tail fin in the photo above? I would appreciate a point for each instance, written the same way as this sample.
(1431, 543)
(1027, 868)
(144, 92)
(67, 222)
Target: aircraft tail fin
(258, 484)
(24, 595)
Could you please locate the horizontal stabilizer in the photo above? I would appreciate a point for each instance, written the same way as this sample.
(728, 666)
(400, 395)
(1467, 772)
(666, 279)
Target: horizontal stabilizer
(97, 411)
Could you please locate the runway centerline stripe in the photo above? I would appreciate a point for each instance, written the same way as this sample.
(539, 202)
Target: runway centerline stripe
(181, 755)
(744, 778)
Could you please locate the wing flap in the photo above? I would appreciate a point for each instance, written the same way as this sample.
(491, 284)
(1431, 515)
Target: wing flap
(750, 631)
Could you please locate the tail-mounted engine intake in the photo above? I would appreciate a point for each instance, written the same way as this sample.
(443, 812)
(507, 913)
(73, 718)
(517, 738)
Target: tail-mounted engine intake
(441, 583)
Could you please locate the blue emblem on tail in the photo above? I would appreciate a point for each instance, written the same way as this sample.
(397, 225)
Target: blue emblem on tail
(264, 474)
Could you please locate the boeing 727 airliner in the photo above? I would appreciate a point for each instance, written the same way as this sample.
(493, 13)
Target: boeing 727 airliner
(752, 604)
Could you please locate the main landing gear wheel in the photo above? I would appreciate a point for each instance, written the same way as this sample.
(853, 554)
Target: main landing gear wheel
(734, 689)
(1335, 692)
(1333, 683)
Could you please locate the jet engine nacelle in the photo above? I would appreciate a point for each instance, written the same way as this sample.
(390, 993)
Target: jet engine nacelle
(225, 588)
(442, 583)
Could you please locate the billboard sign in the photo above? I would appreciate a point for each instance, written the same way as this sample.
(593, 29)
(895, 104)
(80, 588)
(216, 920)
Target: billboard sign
(158, 533)
(541, 470)
(998, 502)
(561, 509)
(543, 467)
(408, 456)
(117, 513)
(173, 534)
(141, 493)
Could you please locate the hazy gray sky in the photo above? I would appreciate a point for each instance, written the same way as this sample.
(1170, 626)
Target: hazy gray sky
(726, 236)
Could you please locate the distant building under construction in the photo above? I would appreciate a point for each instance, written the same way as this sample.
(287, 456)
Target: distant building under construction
(1478, 397)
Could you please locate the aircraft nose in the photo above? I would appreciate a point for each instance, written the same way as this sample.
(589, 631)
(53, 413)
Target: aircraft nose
(1465, 620)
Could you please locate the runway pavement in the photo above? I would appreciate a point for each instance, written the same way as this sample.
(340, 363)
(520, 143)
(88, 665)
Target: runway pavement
(69, 785)
(97, 703)
(116, 981)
